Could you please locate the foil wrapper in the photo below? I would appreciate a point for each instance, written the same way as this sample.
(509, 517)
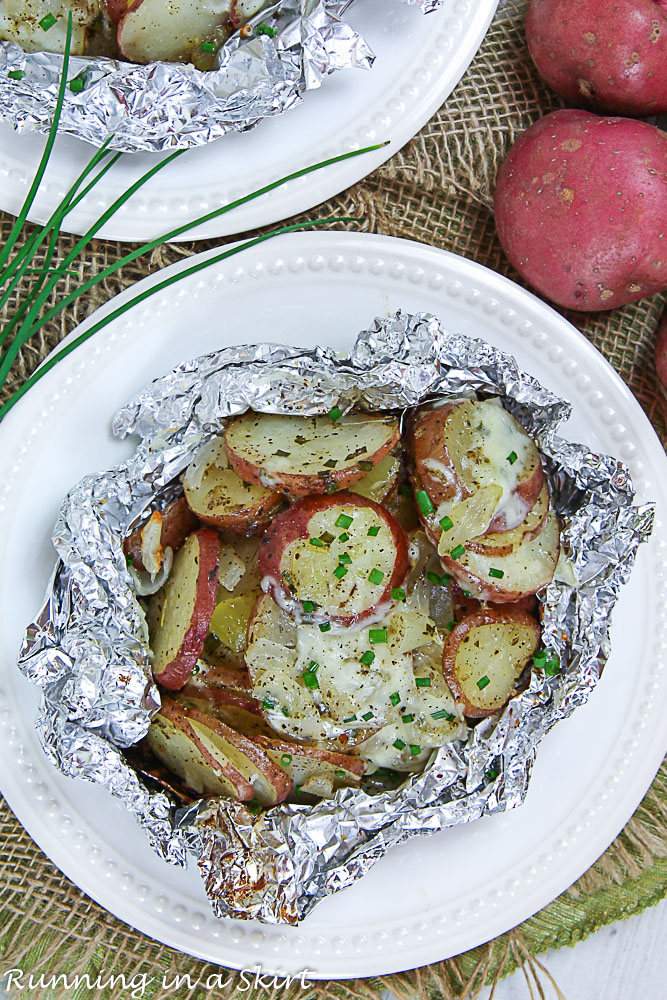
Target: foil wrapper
(166, 106)
(88, 650)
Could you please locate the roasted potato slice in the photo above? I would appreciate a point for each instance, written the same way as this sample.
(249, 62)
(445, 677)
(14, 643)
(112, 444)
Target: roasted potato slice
(460, 448)
(381, 482)
(180, 614)
(217, 496)
(303, 455)
(485, 655)
(175, 742)
(312, 770)
(165, 529)
(507, 579)
(334, 559)
(20, 22)
(271, 784)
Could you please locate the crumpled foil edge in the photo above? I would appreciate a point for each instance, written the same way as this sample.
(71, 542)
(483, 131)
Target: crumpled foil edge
(88, 647)
(162, 107)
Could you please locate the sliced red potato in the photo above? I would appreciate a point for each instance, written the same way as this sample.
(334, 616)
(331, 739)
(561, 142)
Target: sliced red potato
(165, 529)
(217, 496)
(159, 31)
(462, 447)
(312, 770)
(241, 712)
(175, 742)
(381, 482)
(484, 657)
(180, 614)
(20, 22)
(303, 455)
(465, 604)
(116, 8)
(270, 783)
(503, 543)
(507, 579)
(343, 554)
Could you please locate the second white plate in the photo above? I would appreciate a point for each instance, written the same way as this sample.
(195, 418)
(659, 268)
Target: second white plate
(433, 897)
(420, 59)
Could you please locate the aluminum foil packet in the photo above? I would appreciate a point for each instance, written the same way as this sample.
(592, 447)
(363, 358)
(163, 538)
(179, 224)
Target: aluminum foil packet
(88, 648)
(167, 106)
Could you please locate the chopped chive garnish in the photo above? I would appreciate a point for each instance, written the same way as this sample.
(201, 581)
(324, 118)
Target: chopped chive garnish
(366, 466)
(253, 806)
(325, 627)
(308, 606)
(335, 413)
(376, 635)
(129, 559)
(423, 682)
(367, 658)
(405, 490)
(450, 626)
(340, 572)
(376, 576)
(310, 678)
(332, 488)
(491, 774)
(394, 698)
(267, 703)
(512, 457)
(78, 83)
(47, 22)
(398, 594)
(483, 682)
(424, 501)
(286, 758)
(415, 750)
(343, 521)
(297, 789)
(466, 593)
(317, 542)
(498, 573)
(374, 531)
(207, 47)
(344, 537)
(285, 712)
(458, 551)
(345, 558)
(266, 29)
(15, 74)
(366, 716)
(551, 667)
(433, 577)
(540, 658)
(446, 523)
(442, 713)
(352, 718)
(399, 744)
(313, 665)
(408, 718)
(339, 773)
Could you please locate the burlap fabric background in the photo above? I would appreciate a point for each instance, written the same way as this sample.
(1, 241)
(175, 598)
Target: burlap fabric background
(437, 190)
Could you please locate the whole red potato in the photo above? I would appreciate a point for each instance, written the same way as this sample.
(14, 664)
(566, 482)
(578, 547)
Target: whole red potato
(581, 209)
(602, 55)
(661, 352)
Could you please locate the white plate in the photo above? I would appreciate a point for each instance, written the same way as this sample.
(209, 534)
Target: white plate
(431, 898)
(420, 59)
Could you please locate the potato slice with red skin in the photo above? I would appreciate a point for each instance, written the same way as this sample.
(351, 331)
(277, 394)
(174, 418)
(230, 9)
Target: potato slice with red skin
(174, 741)
(467, 605)
(178, 522)
(484, 656)
(503, 543)
(180, 614)
(117, 8)
(305, 455)
(460, 447)
(314, 768)
(270, 783)
(293, 570)
(219, 497)
(525, 571)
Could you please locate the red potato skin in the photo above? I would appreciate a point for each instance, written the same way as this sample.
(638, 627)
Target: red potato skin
(580, 208)
(610, 57)
(177, 673)
(177, 715)
(219, 696)
(464, 605)
(294, 523)
(661, 353)
(248, 521)
(225, 678)
(275, 775)
(356, 765)
(178, 522)
(117, 8)
(486, 617)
